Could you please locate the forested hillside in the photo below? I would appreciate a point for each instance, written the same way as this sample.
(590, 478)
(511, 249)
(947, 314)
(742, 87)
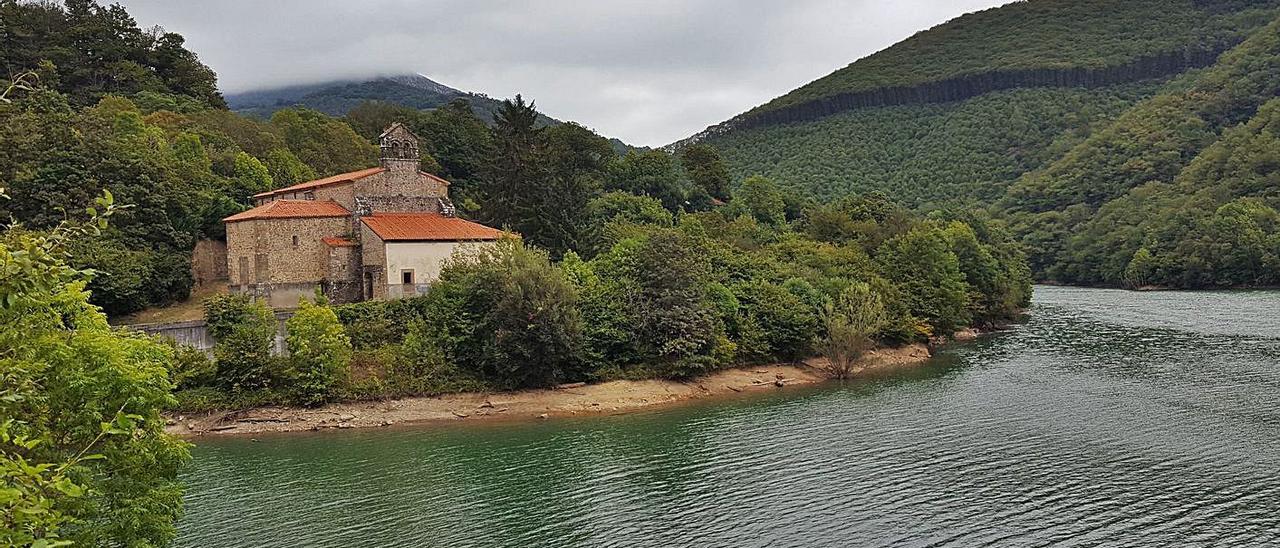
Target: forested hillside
(413, 91)
(1044, 111)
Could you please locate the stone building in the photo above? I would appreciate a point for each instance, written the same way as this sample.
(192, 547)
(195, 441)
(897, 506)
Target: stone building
(377, 233)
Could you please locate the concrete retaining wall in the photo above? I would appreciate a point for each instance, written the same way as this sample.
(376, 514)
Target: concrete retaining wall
(195, 333)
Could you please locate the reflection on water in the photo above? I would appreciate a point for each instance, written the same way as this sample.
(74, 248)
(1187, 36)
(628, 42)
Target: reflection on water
(1109, 419)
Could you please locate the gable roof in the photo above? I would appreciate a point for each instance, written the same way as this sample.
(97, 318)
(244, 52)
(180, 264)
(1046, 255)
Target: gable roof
(332, 180)
(392, 127)
(427, 227)
(291, 209)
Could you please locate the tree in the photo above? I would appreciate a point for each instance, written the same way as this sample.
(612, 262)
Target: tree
(319, 352)
(704, 166)
(786, 324)
(851, 320)
(613, 216)
(286, 169)
(762, 200)
(928, 273)
(650, 173)
(83, 453)
(506, 314)
(244, 330)
(328, 145)
(541, 179)
(663, 280)
(251, 177)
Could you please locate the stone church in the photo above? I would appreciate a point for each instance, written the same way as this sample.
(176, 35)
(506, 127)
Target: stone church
(377, 233)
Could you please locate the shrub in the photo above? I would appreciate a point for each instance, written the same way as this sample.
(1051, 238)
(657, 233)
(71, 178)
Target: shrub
(191, 367)
(788, 324)
(244, 330)
(319, 352)
(372, 324)
(509, 315)
(851, 319)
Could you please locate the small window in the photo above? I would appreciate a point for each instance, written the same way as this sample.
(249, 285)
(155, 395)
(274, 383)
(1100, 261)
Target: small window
(295, 241)
(308, 195)
(406, 277)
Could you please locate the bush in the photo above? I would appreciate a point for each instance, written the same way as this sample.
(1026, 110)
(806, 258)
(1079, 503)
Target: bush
(371, 324)
(509, 315)
(191, 367)
(319, 352)
(851, 320)
(787, 325)
(245, 330)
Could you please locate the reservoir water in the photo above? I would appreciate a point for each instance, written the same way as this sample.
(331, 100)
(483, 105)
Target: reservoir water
(1109, 418)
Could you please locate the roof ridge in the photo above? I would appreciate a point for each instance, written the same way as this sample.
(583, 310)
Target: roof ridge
(292, 209)
(325, 181)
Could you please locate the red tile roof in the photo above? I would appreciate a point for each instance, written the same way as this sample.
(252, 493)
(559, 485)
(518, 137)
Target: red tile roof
(333, 180)
(434, 178)
(291, 209)
(334, 241)
(420, 227)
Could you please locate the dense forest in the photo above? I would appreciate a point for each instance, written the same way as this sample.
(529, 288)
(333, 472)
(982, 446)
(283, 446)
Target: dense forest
(1094, 179)
(1047, 35)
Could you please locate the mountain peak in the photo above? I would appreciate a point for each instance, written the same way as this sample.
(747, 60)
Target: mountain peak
(422, 82)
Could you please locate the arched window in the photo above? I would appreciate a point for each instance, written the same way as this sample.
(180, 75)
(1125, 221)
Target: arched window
(395, 149)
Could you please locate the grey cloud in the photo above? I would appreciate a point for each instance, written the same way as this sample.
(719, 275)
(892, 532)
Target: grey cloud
(648, 72)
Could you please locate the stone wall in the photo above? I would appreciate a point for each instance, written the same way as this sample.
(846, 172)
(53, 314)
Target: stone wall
(209, 262)
(342, 280)
(338, 192)
(280, 251)
(401, 181)
(373, 260)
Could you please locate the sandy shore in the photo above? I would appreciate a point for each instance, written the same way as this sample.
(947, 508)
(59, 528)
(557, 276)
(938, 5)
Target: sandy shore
(603, 398)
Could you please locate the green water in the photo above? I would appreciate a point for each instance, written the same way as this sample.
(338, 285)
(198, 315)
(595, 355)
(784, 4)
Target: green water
(1108, 419)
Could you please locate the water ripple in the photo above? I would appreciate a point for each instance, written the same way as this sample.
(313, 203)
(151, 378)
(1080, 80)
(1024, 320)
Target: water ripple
(1108, 419)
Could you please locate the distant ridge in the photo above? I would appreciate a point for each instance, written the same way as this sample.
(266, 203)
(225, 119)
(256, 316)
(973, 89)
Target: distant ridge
(338, 97)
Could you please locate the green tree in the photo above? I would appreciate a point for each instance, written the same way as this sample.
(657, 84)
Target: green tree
(286, 169)
(663, 279)
(507, 314)
(613, 216)
(762, 200)
(319, 352)
(921, 263)
(851, 321)
(704, 166)
(244, 330)
(83, 452)
(328, 145)
(786, 325)
(650, 173)
(251, 177)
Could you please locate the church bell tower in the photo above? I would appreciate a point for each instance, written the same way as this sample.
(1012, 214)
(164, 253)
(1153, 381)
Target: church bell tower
(398, 149)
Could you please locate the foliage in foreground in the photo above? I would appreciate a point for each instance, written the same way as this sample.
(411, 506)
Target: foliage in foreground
(83, 451)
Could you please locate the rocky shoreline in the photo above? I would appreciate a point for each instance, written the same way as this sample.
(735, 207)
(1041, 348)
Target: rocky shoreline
(614, 397)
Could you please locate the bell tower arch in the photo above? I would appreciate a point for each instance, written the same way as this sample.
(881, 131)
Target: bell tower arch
(398, 149)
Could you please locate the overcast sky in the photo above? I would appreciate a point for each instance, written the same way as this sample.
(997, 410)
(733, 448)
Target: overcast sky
(649, 72)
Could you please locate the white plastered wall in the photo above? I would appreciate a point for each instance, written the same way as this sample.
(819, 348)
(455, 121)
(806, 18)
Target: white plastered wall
(424, 258)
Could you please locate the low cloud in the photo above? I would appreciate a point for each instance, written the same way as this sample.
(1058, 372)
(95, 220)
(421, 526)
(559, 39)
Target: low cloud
(647, 72)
